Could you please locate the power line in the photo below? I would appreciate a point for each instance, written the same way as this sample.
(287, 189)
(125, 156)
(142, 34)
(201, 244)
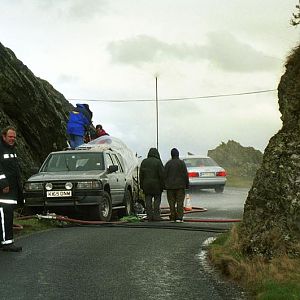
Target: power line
(174, 99)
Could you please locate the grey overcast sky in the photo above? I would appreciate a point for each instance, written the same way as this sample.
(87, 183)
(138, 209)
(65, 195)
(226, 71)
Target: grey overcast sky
(113, 49)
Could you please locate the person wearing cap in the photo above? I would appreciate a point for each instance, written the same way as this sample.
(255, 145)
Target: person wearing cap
(80, 121)
(152, 183)
(176, 181)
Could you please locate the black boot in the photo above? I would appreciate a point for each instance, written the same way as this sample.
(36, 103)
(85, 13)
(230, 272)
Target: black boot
(10, 248)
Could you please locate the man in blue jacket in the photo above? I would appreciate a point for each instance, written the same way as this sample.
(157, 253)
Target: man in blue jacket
(80, 120)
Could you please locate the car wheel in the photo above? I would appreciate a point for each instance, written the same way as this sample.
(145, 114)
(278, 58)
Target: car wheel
(128, 210)
(104, 209)
(219, 189)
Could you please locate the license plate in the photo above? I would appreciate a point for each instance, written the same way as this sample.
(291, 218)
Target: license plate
(59, 194)
(207, 174)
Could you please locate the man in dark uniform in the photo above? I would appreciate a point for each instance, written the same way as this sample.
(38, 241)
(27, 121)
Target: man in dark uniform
(10, 188)
(176, 181)
(152, 183)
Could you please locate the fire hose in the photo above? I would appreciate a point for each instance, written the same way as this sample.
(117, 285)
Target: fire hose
(164, 213)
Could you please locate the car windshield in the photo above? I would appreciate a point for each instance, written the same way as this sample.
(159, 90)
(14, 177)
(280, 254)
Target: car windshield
(200, 162)
(64, 162)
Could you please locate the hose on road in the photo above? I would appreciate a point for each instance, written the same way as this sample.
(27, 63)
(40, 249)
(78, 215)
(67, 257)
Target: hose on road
(155, 225)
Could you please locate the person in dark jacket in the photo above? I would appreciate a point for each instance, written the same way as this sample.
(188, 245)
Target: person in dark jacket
(80, 121)
(10, 188)
(176, 181)
(152, 183)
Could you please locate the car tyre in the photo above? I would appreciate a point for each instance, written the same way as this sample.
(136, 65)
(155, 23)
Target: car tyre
(219, 189)
(104, 209)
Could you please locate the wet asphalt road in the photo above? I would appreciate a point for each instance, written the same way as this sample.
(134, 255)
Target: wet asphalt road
(162, 261)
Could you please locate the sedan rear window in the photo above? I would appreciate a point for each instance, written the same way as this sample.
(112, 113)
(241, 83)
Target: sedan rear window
(64, 162)
(200, 162)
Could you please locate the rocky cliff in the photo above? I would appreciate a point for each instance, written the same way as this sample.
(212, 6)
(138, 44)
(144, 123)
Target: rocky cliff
(34, 107)
(271, 224)
(236, 159)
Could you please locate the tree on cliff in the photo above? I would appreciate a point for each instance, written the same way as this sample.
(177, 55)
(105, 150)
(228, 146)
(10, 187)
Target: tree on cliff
(271, 222)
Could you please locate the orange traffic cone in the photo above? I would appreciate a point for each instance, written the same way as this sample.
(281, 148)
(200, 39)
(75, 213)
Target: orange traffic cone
(187, 203)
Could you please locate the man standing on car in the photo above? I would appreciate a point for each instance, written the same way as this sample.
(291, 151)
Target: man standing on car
(176, 181)
(80, 121)
(152, 183)
(10, 188)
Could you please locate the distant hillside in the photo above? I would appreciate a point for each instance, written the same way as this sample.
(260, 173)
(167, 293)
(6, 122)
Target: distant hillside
(238, 161)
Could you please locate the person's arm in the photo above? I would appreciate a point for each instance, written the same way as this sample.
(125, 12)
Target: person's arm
(162, 174)
(186, 175)
(4, 185)
(20, 184)
(141, 176)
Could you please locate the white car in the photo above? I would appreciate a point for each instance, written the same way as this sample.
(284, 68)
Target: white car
(205, 173)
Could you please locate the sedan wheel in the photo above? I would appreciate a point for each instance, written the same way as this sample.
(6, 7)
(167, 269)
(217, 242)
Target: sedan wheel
(219, 189)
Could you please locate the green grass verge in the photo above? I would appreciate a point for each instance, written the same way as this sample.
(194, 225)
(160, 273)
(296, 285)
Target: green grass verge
(239, 182)
(272, 290)
(264, 280)
(34, 225)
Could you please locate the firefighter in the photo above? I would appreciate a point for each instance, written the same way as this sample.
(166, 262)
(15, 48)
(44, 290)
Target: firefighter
(10, 188)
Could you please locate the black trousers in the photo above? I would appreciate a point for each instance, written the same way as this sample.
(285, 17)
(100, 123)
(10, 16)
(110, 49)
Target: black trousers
(6, 223)
(152, 208)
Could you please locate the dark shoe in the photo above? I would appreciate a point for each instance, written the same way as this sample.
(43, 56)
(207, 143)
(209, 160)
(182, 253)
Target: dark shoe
(10, 248)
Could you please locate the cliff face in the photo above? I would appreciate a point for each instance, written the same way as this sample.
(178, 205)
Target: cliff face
(271, 224)
(236, 159)
(34, 107)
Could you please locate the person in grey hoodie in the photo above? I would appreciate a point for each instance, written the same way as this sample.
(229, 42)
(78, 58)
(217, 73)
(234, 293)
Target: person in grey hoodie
(176, 181)
(152, 183)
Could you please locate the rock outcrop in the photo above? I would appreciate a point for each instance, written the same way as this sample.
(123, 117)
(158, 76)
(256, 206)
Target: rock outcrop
(237, 160)
(271, 223)
(34, 108)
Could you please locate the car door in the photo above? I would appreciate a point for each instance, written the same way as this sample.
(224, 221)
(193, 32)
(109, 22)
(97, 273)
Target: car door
(112, 180)
(121, 180)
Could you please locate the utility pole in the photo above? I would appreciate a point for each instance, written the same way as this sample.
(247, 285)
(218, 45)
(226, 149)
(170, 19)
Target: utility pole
(156, 101)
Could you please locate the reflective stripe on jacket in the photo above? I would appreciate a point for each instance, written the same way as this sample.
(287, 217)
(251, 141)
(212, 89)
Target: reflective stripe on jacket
(10, 173)
(8, 201)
